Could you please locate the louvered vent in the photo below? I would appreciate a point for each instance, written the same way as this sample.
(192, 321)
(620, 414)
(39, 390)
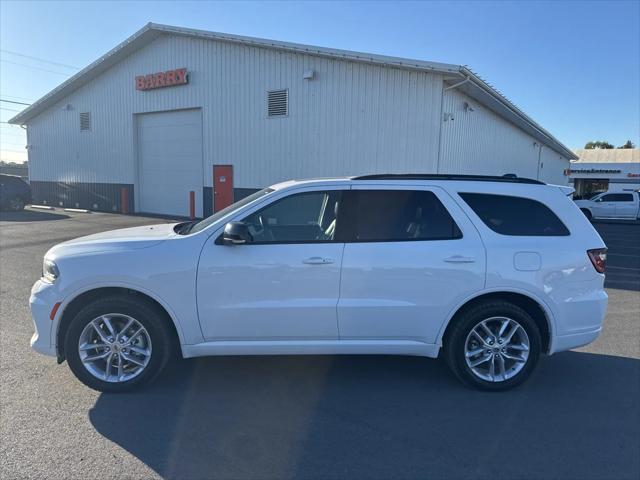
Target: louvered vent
(85, 121)
(278, 103)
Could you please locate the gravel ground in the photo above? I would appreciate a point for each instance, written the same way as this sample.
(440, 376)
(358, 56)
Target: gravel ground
(315, 417)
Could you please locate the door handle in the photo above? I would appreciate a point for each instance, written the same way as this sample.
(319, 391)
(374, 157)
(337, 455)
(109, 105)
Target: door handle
(317, 261)
(459, 259)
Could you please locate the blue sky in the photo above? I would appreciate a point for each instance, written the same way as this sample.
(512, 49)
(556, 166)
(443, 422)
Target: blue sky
(573, 66)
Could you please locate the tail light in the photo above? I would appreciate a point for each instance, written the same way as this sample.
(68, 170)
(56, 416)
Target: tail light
(598, 257)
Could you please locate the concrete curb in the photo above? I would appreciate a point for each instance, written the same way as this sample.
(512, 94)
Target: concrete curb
(77, 210)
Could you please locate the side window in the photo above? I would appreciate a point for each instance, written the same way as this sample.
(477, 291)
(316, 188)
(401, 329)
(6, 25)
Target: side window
(608, 198)
(300, 218)
(509, 215)
(398, 215)
(622, 197)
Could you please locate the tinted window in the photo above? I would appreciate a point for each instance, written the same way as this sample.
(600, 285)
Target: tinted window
(301, 218)
(397, 215)
(617, 197)
(515, 215)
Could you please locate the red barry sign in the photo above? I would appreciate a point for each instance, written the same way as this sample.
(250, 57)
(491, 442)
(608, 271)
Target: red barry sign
(162, 79)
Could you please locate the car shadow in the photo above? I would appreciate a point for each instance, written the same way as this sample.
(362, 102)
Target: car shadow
(383, 417)
(30, 216)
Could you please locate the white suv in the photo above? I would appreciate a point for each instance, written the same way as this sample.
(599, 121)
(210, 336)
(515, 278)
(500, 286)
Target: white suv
(493, 271)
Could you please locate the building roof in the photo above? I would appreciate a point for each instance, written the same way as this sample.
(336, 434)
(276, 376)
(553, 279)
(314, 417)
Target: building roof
(473, 85)
(608, 155)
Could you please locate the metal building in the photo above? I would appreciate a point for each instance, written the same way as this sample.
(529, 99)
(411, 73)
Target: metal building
(605, 170)
(174, 114)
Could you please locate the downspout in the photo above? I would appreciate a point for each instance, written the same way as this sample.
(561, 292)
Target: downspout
(539, 157)
(455, 85)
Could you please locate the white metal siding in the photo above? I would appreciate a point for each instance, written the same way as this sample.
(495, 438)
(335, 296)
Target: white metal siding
(169, 162)
(476, 140)
(352, 118)
(553, 167)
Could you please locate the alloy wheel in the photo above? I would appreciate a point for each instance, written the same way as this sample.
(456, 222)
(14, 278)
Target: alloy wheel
(496, 349)
(16, 203)
(114, 347)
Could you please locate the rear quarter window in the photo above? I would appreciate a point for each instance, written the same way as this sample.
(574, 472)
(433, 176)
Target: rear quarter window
(517, 216)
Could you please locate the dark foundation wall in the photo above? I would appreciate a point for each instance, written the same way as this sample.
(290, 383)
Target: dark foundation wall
(104, 197)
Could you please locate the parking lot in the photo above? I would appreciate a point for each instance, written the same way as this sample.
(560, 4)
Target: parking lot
(315, 417)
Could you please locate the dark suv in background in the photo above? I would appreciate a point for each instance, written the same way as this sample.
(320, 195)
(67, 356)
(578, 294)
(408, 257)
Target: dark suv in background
(15, 193)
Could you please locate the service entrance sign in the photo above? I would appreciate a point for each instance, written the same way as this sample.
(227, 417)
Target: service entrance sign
(169, 78)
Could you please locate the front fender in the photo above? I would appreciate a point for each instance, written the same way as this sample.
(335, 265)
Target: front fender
(70, 297)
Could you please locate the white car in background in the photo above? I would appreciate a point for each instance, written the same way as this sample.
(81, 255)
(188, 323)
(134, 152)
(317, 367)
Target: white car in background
(488, 272)
(623, 205)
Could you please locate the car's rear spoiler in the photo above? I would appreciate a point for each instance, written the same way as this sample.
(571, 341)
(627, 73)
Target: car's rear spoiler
(566, 189)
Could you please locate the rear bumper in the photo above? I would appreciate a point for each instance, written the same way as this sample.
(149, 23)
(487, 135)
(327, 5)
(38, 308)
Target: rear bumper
(42, 299)
(567, 342)
(580, 322)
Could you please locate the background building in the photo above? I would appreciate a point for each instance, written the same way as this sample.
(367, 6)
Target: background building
(172, 111)
(601, 170)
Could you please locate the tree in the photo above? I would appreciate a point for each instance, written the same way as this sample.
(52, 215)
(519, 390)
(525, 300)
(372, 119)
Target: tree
(629, 144)
(598, 144)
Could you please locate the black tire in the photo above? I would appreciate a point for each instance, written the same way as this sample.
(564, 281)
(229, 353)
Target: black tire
(587, 213)
(455, 338)
(152, 318)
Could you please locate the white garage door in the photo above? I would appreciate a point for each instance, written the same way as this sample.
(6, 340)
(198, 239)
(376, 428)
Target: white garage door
(170, 162)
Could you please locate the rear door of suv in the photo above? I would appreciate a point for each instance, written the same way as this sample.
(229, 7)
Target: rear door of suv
(411, 255)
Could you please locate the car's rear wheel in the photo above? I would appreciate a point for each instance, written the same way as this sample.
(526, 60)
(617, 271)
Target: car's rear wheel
(493, 346)
(117, 343)
(16, 203)
(587, 213)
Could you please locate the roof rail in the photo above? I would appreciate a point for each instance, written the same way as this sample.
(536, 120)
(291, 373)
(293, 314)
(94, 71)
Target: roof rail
(508, 178)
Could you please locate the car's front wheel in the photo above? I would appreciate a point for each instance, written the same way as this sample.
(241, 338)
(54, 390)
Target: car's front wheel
(493, 346)
(117, 343)
(587, 213)
(16, 203)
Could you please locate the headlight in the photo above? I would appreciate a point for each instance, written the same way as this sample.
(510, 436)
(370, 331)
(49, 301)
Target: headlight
(50, 272)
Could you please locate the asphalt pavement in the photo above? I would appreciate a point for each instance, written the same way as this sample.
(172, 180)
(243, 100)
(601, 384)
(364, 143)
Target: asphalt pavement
(315, 417)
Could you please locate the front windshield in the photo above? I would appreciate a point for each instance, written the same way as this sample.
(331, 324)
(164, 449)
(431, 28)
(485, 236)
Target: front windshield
(230, 209)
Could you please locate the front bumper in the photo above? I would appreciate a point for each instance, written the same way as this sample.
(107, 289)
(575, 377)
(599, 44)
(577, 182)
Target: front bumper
(43, 298)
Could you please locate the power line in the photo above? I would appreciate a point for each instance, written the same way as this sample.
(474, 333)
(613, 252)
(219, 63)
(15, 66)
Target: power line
(11, 143)
(17, 103)
(19, 98)
(39, 59)
(36, 68)
(9, 109)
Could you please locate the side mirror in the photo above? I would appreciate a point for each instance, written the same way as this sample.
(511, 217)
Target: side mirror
(236, 233)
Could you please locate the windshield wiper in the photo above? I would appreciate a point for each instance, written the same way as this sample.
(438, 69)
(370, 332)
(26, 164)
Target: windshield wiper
(185, 227)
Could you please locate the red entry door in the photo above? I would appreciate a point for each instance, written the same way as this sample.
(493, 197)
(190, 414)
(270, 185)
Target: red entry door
(222, 186)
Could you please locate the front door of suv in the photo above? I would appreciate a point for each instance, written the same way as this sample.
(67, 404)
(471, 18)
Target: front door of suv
(284, 284)
(411, 256)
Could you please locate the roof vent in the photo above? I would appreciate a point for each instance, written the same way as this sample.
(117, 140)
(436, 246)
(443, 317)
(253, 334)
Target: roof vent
(278, 103)
(85, 121)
